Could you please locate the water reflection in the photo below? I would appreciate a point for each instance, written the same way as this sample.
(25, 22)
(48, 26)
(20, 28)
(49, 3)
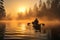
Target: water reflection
(17, 27)
(2, 30)
(22, 27)
(19, 30)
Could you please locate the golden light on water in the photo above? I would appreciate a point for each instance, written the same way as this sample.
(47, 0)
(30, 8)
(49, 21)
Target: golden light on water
(23, 27)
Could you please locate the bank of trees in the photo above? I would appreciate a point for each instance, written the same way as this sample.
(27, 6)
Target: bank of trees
(49, 10)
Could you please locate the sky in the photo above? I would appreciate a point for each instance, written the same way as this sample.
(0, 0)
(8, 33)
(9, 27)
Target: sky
(12, 6)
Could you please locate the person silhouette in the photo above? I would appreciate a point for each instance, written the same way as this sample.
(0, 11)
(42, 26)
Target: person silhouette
(36, 25)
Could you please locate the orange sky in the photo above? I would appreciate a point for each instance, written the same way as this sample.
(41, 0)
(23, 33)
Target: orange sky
(11, 6)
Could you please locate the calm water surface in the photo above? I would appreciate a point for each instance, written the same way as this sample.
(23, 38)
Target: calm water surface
(20, 30)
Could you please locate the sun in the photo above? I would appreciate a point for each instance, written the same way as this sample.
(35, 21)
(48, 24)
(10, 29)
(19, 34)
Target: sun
(22, 10)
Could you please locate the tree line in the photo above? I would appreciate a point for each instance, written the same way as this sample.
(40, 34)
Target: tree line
(49, 10)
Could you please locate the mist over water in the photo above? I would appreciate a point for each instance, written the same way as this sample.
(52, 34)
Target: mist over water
(17, 30)
(20, 30)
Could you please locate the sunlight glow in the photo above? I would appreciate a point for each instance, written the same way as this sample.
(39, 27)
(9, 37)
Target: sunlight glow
(22, 10)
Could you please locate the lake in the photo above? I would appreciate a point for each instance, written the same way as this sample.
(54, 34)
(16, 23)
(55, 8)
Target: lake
(20, 30)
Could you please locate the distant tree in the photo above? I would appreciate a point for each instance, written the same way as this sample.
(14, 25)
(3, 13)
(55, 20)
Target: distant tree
(19, 16)
(48, 4)
(2, 10)
(9, 16)
(30, 13)
(55, 9)
(40, 4)
(44, 7)
(2, 13)
(43, 10)
(35, 10)
(54, 4)
(52, 10)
